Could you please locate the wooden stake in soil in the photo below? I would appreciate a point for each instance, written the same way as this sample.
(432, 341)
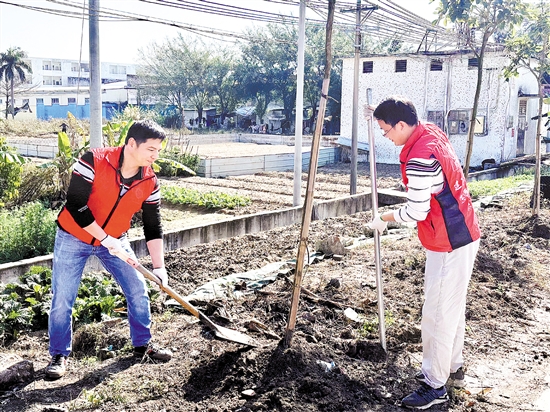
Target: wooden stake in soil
(308, 203)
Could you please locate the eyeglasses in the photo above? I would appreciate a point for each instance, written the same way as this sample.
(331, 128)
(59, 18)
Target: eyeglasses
(389, 130)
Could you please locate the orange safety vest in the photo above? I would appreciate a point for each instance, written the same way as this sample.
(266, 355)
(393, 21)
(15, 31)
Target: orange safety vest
(111, 211)
(451, 222)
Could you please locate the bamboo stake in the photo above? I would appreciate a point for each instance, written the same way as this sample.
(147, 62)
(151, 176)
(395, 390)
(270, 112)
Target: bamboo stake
(308, 203)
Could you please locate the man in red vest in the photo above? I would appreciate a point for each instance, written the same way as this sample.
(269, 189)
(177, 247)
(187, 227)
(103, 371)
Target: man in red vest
(108, 186)
(439, 202)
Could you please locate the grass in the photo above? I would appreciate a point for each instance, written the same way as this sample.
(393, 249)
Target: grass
(483, 188)
(30, 127)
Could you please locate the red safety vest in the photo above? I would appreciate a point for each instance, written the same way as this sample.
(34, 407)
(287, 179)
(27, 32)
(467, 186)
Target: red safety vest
(111, 211)
(451, 222)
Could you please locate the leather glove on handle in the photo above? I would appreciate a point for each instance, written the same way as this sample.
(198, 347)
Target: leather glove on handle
(113, 244)
(378, 224)
(162, 275)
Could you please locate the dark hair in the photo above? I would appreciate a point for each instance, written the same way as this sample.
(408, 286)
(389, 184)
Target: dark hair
(143, 130)
(395, 109)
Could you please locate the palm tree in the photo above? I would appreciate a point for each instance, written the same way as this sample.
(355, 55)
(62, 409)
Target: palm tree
(13, 66)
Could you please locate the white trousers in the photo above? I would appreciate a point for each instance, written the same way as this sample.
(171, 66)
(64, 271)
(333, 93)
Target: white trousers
(446, 280)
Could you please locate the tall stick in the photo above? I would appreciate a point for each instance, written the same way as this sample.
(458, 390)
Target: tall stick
(308, 203)
(374, 201)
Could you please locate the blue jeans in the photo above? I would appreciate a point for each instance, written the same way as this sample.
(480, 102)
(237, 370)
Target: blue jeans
(69, 258)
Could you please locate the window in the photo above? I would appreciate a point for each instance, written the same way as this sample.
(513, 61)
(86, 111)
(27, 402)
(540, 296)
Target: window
(55, 100)
(39, 100)
(472, 63)
(56, 66)
(459, 121)
(480, 126)
(436, 117)
(400, 66)
(368, 66)
(436, 65)
(46, 65)
(72, 100)
(87, 100)
(47, 81)
(85, 67)
(117, 69)
(73, 81)
(1, 101)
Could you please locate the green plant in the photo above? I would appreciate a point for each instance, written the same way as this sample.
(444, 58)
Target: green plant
(177, 162)
(371, 326)
(25, 305)
(115, 132)
(113, 392)
(482, 188)
(26, 231)
(10, 172)
(68, 154)
(14, 317)
(210, 200)
(97, 296)
(38, 183)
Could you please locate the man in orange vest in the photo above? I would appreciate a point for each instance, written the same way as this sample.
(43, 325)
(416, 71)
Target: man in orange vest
(108, 186)
(439, 202)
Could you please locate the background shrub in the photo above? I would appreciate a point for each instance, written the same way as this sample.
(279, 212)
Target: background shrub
(24, 306)
(26, 231)
(170, 159)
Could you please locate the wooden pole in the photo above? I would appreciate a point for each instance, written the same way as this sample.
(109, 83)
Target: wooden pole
(308, 203)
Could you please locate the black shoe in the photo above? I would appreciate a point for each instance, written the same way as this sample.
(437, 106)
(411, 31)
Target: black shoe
(153, 352)
(57, 367)
(425, 397)
(456, 379)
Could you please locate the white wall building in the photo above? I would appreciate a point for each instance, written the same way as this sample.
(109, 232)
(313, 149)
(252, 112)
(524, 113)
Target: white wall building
(442, 87)
(58, 85)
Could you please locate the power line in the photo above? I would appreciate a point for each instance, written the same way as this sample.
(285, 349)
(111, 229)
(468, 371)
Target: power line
(389, 21)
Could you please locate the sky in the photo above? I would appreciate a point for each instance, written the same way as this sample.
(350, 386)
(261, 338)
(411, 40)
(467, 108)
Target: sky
(46, 35)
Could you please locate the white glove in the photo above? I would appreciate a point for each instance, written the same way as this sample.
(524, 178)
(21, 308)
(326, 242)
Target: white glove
(113, 244)
(162, 275)
(378, 224)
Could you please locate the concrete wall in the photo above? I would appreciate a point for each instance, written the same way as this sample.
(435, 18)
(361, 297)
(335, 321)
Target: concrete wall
(249, 165)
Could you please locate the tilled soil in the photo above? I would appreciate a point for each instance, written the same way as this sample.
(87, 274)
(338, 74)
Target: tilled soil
(507, 337)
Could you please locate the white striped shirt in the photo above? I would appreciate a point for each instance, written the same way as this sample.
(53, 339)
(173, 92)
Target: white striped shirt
(425, 178)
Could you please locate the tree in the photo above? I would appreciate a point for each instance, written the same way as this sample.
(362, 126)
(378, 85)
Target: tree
(13, 68)
(163, 76)
(270, 63)
(530, 48)
(180, 72)
(200, 65)
(485, 17)
(225, 82)
(315, 66)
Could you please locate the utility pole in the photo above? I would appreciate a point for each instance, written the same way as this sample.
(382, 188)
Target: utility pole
(299, 106)
(355, 104)
(95, 76)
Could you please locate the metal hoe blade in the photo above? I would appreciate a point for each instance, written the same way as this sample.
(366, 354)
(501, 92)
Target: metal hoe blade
(219, 331)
